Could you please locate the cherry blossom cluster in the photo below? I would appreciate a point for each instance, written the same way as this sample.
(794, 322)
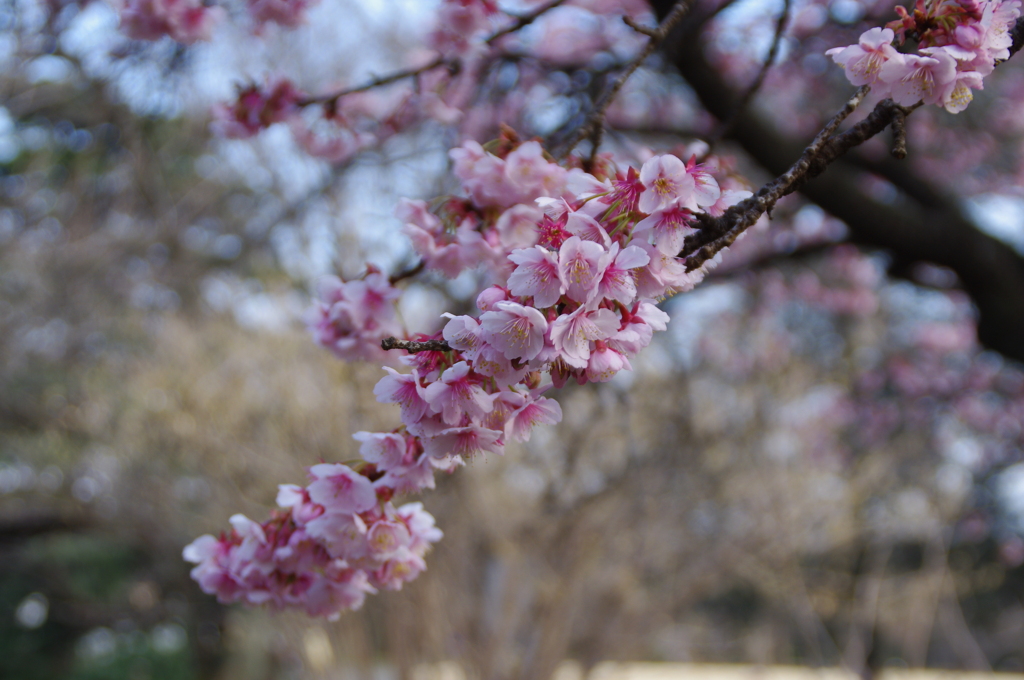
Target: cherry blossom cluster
(332, 542)
(186, 21)
(351, 318)
(190, 21)
(468, 39)
(959, 43)
(257, 108)
(577, 262)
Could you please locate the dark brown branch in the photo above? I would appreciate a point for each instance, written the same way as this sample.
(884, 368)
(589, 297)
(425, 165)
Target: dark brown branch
(414, 346)
(593, 128)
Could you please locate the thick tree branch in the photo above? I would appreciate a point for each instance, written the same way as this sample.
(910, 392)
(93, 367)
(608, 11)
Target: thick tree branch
(934, 230)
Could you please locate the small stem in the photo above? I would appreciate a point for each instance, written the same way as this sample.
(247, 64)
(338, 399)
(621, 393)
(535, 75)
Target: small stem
(414, 346)
(523, 20)
(899, 134)
(408, 273)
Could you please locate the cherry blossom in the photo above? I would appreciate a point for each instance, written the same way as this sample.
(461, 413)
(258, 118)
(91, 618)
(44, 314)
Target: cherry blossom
(665, 182)
(914, 78)
(864, 61)
(514, 330)
(538, 275)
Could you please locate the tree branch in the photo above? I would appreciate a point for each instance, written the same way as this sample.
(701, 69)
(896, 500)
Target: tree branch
(414, 346)
(914, 231)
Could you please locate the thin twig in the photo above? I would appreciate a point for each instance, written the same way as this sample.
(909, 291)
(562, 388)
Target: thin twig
(382, 80)
(453, 64)
(593, 128)
(407, 273)
(414, 346)
(523, 20)
(780, 28)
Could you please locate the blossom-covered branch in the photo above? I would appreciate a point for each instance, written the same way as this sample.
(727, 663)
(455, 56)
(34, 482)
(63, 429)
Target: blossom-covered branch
(577, 263)
(575, 255)
(982, 40)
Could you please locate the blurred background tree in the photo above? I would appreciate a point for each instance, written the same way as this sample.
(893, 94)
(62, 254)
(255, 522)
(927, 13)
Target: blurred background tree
(817, 464)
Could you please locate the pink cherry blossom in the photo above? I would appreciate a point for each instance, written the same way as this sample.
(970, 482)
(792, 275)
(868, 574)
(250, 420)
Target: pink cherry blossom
(528, 171)
(404, 390)
(669, 227)
(537, 275)
(917, 78)
(728, 199)
(464, 442)
(491, 362)
(534, 411)
(618, 278)
(514, 330)
(341, 534)
(186, 21)
(386, 450)
(289, 13)
(587, 228)
(579, 265)
(625, 195)
(572, 334)
(488, 297)
(255, 109)
(663, 274)
(327, 597)
(705, 187)
(353, 316)
(457, 395)
(665, 182)
(460, 24)
(633, 337)
(517, 226)
(386, 539)
(604, 363)
(506, 402)
(863, 62)
(421, 524)
(340, 489)
(956, 94)
(464, 334)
